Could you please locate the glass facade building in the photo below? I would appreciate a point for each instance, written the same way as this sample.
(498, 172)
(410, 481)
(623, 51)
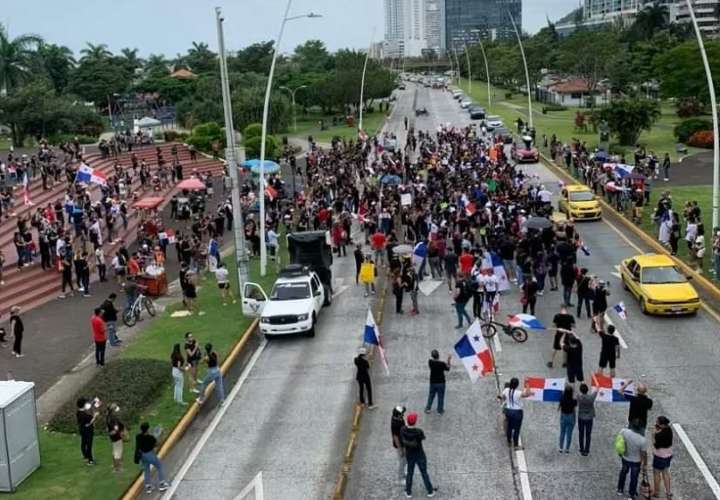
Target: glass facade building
(467, 21)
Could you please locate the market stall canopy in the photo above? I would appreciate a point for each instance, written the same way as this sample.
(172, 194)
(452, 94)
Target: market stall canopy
(149, 203)
(191, 184)
(148, 122)
(254, 166)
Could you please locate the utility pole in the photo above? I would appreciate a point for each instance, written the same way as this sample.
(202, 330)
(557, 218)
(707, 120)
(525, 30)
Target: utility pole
(487, 73)
(232, 162)
(527, 73)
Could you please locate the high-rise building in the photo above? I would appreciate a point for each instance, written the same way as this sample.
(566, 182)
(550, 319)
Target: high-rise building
(435, 25)
(405, 33)
(467, 21)
(707, 13)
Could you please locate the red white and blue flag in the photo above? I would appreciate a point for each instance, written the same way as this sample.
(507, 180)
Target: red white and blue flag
(525, 321)
(545, 389)
(475, 353)
(26, 190)
(494, 261)
(88, 175)
(372, 336)
(609, 388)
(621, 310)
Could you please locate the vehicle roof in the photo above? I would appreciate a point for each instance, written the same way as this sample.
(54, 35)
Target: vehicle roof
(294, 279)
(654, 260)
(576, 187)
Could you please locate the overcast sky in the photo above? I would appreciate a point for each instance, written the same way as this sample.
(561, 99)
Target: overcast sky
(169, 26)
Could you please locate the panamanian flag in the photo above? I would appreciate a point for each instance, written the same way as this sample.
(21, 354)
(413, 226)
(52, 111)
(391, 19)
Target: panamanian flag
(621, 310)
(372, 336)
(609, 388)
(87, 175)
(492, 261)
(474, 353)
(545, 389)
(525, 321)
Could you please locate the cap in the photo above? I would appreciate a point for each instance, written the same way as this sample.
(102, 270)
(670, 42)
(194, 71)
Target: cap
(362, 350)
(400, 409)
(412, 418)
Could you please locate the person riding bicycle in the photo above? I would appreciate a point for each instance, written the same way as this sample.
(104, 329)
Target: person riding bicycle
(131, 292)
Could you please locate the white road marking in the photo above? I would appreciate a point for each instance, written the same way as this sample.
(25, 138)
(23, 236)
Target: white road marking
(255, 485)
(714, 486)
(617, 275)
(427, 287)
(623, 344)
(340, 290)
(523, 472)
(215, 422)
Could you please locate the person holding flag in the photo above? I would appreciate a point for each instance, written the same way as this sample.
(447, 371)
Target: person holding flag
(513, 410)
(371, 336)
(363, 378)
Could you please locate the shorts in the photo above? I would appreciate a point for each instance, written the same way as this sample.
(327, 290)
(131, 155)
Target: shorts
(117, 449)
(224, 286)
(556, 342)
(607, 358)
(574, 373)
(661, 463)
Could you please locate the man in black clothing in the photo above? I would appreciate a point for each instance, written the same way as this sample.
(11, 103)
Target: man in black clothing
(363, 378)
(411, 438)
(437, 381)
(86, 428)
(573, 348)
(640, 404)
(609, 350)
(109, 315)
(564, 322)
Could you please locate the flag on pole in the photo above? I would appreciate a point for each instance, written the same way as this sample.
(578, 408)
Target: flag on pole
(492, 261)
(26, 190)
(621, 310)
(372, 336)
(88, 175)
(609, 388)
(525, 321)
(545, 389)
(475, 353)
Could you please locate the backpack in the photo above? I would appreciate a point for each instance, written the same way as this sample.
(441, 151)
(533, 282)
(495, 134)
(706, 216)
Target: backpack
(620, 444)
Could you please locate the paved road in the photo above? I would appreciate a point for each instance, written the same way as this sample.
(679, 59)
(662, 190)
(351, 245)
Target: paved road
(677, 357)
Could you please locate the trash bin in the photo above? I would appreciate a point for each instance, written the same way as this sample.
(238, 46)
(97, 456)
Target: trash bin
(19, 449)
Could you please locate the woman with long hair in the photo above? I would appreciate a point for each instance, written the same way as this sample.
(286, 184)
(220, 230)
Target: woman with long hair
(513, 410)
(178, 367)
(567, 406)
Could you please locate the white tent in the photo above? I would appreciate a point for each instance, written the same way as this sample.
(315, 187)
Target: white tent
(147, 122)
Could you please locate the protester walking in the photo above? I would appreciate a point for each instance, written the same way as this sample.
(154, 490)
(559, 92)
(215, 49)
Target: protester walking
(461, 297)
(110, 316)
(145, 443)
(584, 293)
(567, 406)
(662, 455)
(585, 417)
(178, 374)
(513, 410)
(358, 254)
(563, 322)
(398, 292)
(17, 328)
(363, 378)
(99, 336)
(437, 381)
(117, 434)
(631, 446)
(397, 422)
(86, 418)
(213, 374)
(574, 351)
(412, 438)
(529, 295)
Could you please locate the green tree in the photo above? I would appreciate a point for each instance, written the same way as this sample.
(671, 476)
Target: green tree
(98, 77)
(130, 59)
(254, 58)
(589, 55)
(649, 20)
(95, 52)
(312, 57)
(15, 58)
(156, 65)
(682, 71)
(628, 117)
(57, 62)
(200, 59)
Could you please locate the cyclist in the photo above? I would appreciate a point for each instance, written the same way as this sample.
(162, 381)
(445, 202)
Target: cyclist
(131, 292)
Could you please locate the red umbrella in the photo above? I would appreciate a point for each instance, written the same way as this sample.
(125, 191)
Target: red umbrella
(191, 184)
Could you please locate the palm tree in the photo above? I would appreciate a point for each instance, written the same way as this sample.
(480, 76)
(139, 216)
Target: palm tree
(652, 18)
(130, 58)
(58, 61)
(156, 64)
(93, 52)
(15, 58)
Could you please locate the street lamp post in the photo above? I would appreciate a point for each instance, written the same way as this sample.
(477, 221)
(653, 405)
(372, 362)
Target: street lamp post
(263, 137)
(716, 136)
(362, 85)
(457, 63)
(230, 155)
(487, 72)
(292, 94)
(467, 57)
(527, 73)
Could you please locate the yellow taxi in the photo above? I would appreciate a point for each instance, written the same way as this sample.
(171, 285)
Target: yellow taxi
(658, 284)
(578, 202)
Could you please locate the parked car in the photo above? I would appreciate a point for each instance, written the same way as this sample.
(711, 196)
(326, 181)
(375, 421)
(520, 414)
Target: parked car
(465, 103)
(476, 112)
(492, 122)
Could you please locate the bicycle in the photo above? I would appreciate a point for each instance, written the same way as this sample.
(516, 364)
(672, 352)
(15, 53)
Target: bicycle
(489, 330)
(132, 315)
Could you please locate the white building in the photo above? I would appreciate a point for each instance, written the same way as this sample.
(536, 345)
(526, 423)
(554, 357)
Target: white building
(405, 28)
(435, 25)
(706, 13)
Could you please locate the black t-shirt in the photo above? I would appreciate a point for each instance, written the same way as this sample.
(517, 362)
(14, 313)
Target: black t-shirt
(363, 368)
(463, 292)
(437, 371)
(564, 321)
(574, 353)
(83, 419)
(609, 343)
(212, 360)
(568, 405)
(396, 425)
(145, 442)
(664, 438)
(640, 405)
(112, 424)
(411, 439)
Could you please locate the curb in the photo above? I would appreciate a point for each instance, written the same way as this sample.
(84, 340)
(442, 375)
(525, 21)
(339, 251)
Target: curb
(184, 423)
(706, 284)
(358, 410)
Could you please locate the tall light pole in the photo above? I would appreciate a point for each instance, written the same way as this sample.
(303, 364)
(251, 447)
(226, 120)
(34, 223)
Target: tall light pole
(527, 73)
(467, 57)
(292, 94)
(457, 63)
(487, 72)
(263, 137)
(362, 84)
(716, 136)
(230, 152)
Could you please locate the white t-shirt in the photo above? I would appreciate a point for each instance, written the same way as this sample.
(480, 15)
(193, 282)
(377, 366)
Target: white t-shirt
(490, 282)
(545, 196)
(514, 402)
(221, 274)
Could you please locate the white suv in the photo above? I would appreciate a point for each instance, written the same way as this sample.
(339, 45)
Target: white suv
(293, 305)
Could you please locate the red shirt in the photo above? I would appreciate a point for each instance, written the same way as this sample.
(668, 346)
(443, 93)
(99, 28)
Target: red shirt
(98, 329)
(133, 267)
(378, 241)
(466, 262)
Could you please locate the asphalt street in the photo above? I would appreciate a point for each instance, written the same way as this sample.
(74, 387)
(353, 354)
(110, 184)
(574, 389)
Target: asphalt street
(467, 456)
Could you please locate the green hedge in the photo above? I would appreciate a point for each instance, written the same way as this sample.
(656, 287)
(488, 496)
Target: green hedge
(553, 107)
(133, 384)
(685, 129)
(57, 139)
(174, 135)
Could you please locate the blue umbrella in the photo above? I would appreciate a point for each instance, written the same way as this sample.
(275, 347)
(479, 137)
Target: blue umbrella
(254, 166)
(392, 180)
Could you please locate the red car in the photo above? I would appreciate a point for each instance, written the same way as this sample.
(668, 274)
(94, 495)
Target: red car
(522, 154)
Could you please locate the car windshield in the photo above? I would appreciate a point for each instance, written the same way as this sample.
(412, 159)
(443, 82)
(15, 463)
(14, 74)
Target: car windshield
(662, 275)
(581, 196)
(290, 291)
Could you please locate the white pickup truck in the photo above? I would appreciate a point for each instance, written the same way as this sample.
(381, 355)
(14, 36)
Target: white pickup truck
(293, 305)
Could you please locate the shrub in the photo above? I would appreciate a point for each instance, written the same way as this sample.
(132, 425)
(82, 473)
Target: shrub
(210, 129)
(174, 135)
(686, 128)
(688, 106)
(508, 95)
(252, 130)
(553, 107)
(133, 384)
(57, 139)
(204, 135)
(252, 146)
(702, 139)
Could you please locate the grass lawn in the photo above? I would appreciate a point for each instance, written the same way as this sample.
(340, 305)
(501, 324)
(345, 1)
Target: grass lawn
(308, 125)
(5, 143)
(660, 139)
(63, 473)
